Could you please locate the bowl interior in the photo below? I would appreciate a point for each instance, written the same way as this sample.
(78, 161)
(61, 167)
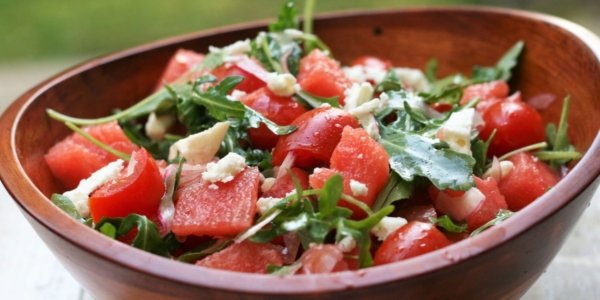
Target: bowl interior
(558, 60)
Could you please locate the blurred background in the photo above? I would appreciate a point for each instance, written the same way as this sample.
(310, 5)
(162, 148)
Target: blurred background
(38, 38)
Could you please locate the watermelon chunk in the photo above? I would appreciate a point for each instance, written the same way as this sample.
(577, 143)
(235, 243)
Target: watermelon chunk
(244, 257)
(539, 178)
(359, 158)
(65, 159)
(322, 76)
(180, 63)
(285, 184)
(217, 209)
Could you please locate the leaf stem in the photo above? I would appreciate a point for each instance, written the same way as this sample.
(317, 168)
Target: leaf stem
(524, 149)
(309, 8)
(93, 140)
(357, 203)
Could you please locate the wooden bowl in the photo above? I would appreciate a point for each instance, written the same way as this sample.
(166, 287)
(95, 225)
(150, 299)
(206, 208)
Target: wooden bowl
(560, 58)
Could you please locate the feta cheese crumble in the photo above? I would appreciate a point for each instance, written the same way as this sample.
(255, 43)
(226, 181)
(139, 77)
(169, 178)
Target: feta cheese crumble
(357, 94)
(358, 188)
(413, 79)
(156, 126)
(225, 169)
(267, 184)
(263, 204)
(201, 147)
(81, 194)
(456, 131)
(387, 226)
(282, 85)
(346, 244)
(360, 74)
(236, 95)
(237, 48)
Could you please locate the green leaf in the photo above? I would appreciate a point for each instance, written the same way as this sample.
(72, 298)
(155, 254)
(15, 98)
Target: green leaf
(158, 149)
(316, 101)
(502, 69)
(203, 250)
(413, 155)
(370, 221)
(480, 149)
(109, 230)
(288, 17)
(431, 70)
(446, 223)
(66, 205)
(217, 103)
(390, 82)
(255, 118)
(500, 217)
(147, 238)
(395, 189)
(330, 195)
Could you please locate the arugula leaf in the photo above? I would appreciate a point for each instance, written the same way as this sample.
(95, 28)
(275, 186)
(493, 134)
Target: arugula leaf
(293, 60)
(395, 189)
(330, 195)
(316, 101)
(147, 237)
(413, 155)
(284, 270)
(502, 69)
(260, 158)
(203, 250)
(216, 102)
(255, 118)
(288, 17)
(390, 82)
(560, 150)
(431, 69)
(268, 52)
(502, 215)
(66, 205)
(446, 223)
(480, 149)
(158, 149)
(109, 230)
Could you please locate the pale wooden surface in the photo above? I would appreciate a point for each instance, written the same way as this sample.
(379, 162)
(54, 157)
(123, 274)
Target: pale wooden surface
(28, 270)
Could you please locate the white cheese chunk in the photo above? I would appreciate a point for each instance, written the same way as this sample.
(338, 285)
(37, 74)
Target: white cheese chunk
(360, 74)
(80, 195)
(413, 79)
(263, 204)
(281, 84)
(456, 131)
(267, 184)
(236, 95)
(387, 226)
(357, 94)
(225, 169)
(201, 147)
(366, 108)
(237, 48)
(156, 126)
(358, 188)
(346, 244)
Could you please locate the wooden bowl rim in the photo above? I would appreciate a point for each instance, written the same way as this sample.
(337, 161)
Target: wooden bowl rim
(37, 206)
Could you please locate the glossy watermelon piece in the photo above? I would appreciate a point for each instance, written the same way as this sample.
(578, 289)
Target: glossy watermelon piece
(281, 110)
(137, 190)
(75, 158)
(285, 184)
(517, 190)
(410, 240)
(360, 158)
(180, 63)
(321, 259)
(488, 208)
(488, 93)
(219, 209)
(254, 74)
(322, 76)
(244, 257)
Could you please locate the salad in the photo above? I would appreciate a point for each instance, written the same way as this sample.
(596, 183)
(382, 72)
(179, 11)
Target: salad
(269, 156)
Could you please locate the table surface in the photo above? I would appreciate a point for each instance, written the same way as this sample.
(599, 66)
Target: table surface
(30, 271)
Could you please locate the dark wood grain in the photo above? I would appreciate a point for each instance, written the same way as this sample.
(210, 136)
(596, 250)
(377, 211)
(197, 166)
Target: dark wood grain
(560, 58)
